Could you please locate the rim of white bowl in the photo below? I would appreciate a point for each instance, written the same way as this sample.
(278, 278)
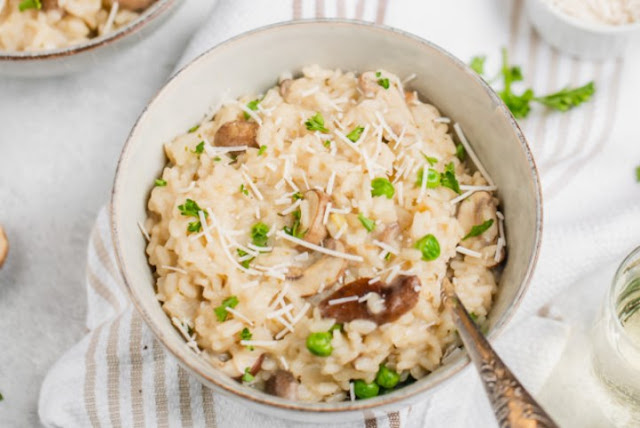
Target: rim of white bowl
(187, 358)
(154, 11)
(589, 26)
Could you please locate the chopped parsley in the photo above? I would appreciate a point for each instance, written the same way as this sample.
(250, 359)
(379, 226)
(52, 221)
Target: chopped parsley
(477, 64)
(259, 234)
(432, 161)
(160, 182)
(638, 174)
(327, 143)
(294, 230)
(245, 263)
(247, 376)
(262, 149)
(190, 208)
(354, 135)
(297, 196)
(199, 148)
(382, 187)
(448, 178)
(29, 4)
(316, 123)
(429, 247)
(474, 317)
(382, 81)
(253, 106)
(245, 334)
(367, 223)
(217, 159)
(461, 153)
(338, 327)
(221, 311)
(479, 229)
(568, 98)
(244, 190)
(193, 129)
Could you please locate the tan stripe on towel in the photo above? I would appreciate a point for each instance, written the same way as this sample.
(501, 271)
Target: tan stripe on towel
(319, 8)
(185, 399)
(381, 11)
(137, 398)
(371, 423)
(209, 408)
(113, 374)
(101, 290)
(103, 254)
(516, 12)
(162, 404)
(89, 389)
(360, 9)
(341, 10)
(297, 9)
(394, 420)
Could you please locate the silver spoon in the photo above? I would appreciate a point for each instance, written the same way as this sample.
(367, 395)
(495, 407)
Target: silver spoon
(513, 406)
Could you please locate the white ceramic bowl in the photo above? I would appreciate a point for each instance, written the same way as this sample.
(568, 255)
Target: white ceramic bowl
(78, 57)
(251, 63)
(579, 38)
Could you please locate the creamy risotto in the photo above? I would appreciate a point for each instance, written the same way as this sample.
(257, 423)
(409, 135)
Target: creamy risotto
(32, 25)
(300, 236)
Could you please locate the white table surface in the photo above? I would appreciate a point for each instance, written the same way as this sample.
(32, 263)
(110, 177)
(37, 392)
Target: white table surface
(59, 143)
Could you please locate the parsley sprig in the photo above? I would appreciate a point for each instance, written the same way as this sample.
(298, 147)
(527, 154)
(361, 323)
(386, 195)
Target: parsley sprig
(29, 4)
(190, 208)
(520, 104)
(478, 229)
(316, 123)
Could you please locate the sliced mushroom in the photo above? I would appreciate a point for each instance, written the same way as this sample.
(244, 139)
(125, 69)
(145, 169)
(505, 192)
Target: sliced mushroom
(285, 88)
(237, 133)
(4, 246)
(477, 209)
(390, 233)
(399, 298)
(317, 201)
(135, 4)
(49, 4)
(282, 384)
(327, 270)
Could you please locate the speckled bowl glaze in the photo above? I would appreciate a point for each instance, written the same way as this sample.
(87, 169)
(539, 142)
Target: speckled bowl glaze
(579, 38)
(78, 57)
(251, 63)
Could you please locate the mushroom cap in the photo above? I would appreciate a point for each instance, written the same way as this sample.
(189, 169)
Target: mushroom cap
(317, 201)
(237, 133)
(326, 270)
(282, 384)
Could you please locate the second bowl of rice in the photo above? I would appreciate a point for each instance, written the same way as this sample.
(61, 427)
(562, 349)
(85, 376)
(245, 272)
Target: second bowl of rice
(284, 229)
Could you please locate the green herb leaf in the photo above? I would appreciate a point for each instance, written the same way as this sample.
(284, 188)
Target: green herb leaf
(247, 376)
(518, 104)
(355, 134)
(244, 190)
(478, 229)
(461, 153)
(474, 317)
(262, 149)
(638, 174)
(429, 247)
(190, 208)
(433, 178)
(327, 143)
(194, 226)
(382, 81)
(160, 182)
(221, 311)
(477, 64)
(367, 222)
(432, 161)
(448, 178)
(193, 129)
(568, 98)
(199, 148)
(29, 4)
(294, 230)
(253, 106)
(338, 327)
(382, 187)
(259, 234)
(297, 196)
(217, 159)
(316, 123)
(245, 263)
(245, 334)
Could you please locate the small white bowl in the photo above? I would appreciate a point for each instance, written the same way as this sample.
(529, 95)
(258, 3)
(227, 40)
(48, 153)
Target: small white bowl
(78, 57)
(580, 38)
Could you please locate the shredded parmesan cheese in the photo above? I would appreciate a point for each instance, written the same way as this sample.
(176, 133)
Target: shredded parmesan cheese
(468, 252)
(319, 249)
(343, 300)
(472, 154)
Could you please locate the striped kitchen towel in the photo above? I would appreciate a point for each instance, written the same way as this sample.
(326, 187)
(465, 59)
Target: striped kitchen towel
(119, 376)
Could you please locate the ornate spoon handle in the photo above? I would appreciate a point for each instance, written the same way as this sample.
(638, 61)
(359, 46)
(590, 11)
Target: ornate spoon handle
(513, 406)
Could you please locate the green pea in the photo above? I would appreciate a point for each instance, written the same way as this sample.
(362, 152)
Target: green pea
(433, 178)
(429, 246)
(382, 187)
(320, 344)
(386, 377)
(363, 389)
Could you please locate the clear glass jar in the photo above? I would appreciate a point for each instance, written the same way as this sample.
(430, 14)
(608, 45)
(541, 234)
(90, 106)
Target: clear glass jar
(616, 344)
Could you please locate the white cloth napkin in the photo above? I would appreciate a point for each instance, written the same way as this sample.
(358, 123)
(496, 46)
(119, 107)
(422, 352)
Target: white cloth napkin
(119, 376)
